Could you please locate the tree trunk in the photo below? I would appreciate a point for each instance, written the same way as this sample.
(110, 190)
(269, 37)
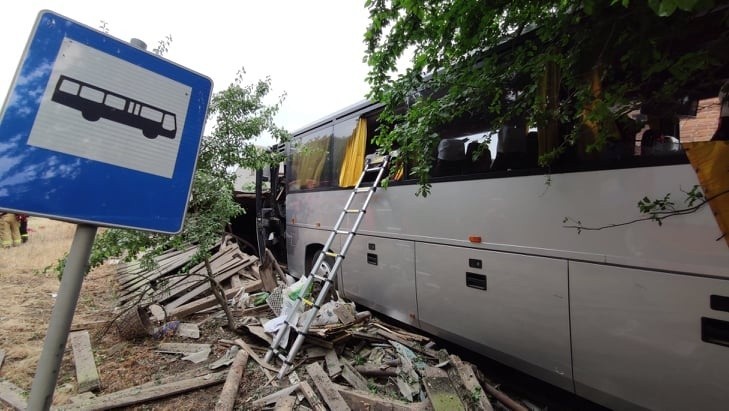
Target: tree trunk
(219, 295)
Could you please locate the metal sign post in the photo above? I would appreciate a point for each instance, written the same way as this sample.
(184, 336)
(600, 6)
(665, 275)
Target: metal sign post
(46, 374)
(99, 133)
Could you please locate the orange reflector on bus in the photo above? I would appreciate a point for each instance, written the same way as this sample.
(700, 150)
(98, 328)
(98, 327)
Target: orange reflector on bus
(474, 238)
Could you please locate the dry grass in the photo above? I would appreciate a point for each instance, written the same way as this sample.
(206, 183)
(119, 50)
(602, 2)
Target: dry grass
(29, 285)
(27, 298)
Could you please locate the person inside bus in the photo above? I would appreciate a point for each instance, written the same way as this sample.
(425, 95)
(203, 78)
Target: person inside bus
(451, 157)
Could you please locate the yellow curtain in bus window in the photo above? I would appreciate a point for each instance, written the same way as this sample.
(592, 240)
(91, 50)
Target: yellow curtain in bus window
(710, 160)
(354, 154)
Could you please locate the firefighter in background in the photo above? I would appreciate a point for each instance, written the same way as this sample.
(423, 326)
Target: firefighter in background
(9, 230)
(23, 220)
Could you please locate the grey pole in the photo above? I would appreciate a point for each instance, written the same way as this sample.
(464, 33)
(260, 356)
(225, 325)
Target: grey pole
(46, 374)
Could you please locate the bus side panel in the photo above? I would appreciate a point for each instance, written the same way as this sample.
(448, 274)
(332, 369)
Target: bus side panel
(513, 308)
(637, 336)
(380, 273)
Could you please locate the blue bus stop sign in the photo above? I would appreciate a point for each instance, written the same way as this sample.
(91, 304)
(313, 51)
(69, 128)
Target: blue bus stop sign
(97, 131)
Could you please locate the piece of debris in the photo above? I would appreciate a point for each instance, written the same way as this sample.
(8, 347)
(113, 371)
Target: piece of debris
(188, 330)
(334, 368)
(87, 376)
(330, 394)
(12, 395)
(147, 392)
(226, 401)
(441, 393)
(272, 398)
(226, 359)
(477, 396)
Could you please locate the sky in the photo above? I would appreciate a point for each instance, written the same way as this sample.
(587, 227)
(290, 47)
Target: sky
(312, 49)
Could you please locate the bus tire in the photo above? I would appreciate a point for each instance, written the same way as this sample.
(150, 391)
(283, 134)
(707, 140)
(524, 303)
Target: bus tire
(151, 134)
(90, 116)
(326, 267)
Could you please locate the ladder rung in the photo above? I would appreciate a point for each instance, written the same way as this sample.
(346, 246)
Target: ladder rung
(371, 169)
(345, 232)
(322, 278)
(333, 254)
(282, 357)
(362, 189)
(354, 211)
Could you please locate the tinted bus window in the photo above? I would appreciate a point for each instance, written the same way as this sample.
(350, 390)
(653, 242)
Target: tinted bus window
(311, 161)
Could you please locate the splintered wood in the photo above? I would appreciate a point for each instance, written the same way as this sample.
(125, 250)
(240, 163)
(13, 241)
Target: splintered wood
(173, 292)
(350, 360)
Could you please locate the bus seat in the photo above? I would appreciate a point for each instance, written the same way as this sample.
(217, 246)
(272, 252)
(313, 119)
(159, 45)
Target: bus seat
(482, 164)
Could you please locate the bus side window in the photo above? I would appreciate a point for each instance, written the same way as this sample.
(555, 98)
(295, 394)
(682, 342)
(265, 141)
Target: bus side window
(115, 102)
(92, 94)
(70, 87)
(151, 114)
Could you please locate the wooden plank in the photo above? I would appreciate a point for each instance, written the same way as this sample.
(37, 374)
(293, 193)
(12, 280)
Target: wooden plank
(226, 271)
(376, 371)
(442, 395)
(236, 281)
(197, 305)
(477, 395)
(326, 388)
(87, 376)
(334, 368)
(363, 400)
(354, 378)
(182, 348)
(294, 379)
(285, 404)
(226, 401)
(255, 357)
(138, 395)
(12, 396)
(311, 397)
(413, 346)
(271, 398)
(259, 332)
(265, 272)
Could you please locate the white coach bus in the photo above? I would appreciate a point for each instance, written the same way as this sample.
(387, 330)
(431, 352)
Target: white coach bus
(631, 317)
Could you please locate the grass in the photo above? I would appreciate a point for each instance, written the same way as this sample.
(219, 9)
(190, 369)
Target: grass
(29, 286)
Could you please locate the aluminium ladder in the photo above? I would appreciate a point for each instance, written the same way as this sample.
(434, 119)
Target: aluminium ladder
(374, 164)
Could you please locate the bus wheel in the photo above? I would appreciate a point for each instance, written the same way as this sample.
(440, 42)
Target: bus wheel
(90, 116)
(324, 269)
(149, 133)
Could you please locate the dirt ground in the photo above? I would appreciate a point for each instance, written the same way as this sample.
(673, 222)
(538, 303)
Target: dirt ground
(29, 285)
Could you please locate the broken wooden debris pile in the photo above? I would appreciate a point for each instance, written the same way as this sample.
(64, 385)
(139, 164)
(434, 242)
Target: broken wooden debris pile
(350, 359)
(151, 299)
